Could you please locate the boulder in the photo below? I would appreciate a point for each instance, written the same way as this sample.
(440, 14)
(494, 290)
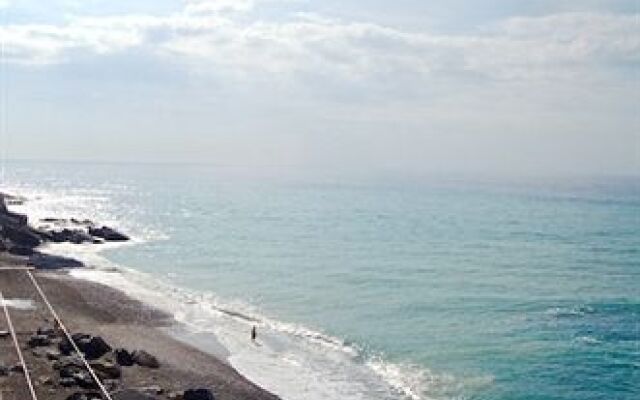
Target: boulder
(93, 347)
(145, 359)
(198, 394)
(123, 357)
(39, 341)
(108, 234)
(96, 348)
(4, 371)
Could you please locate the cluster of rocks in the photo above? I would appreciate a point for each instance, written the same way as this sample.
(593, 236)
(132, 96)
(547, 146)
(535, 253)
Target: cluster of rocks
(70, 372)
(18, 237)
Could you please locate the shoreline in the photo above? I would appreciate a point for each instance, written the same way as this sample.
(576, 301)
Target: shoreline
(122, 321)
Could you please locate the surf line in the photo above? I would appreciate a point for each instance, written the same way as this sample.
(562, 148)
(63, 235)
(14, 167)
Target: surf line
(27, 375)
(68, 336)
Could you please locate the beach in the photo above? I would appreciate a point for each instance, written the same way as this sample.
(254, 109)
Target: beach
(123, 323)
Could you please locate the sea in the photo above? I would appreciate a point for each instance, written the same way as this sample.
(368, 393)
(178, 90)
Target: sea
(378, 288)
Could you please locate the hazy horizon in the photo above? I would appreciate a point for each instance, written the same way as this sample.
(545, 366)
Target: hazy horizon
(540, 88)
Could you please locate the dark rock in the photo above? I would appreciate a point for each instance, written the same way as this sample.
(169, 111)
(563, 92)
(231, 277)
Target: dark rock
(39, 341)
(51, 262)
(85, 396)
(65, 347)
(54, 220)
(106, 370)
(4, 334)
(52, 355)
(67, 382)
(123, 357)
(11, 219)
(4, 371)
(11, 200)
(68, 366)
(93, 347)
(108, 234)
(85, 380)
(21, 236)
(70, 371)
(17, 368)
(129, 394)
(145, 359)
(21, 251)
(79, 336)
(49, 332)
(198, 394)
(76, 236)
(96, 348)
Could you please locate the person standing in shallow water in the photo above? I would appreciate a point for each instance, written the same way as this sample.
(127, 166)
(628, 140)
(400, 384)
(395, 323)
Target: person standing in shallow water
(254, 333)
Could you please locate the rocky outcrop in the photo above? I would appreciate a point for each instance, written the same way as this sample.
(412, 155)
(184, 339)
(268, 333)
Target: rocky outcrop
(198, 394)
(108, 234)
(77, 236)
(16, 235)
(21, 239)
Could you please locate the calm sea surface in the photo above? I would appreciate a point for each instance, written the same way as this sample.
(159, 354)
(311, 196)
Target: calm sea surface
(391, 289)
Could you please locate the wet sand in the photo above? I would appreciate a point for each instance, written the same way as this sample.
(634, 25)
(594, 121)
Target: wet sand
(123, 322)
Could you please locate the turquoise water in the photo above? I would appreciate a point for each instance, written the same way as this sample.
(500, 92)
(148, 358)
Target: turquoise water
(480, 289)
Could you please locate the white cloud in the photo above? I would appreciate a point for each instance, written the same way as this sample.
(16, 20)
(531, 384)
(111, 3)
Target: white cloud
(215, 6)
(207, 37)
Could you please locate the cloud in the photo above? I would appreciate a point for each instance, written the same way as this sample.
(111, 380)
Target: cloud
(210, 33)
(215, 6)
(360, 61)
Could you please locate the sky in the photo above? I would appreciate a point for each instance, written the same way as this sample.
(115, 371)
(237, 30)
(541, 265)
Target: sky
(407, 86)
